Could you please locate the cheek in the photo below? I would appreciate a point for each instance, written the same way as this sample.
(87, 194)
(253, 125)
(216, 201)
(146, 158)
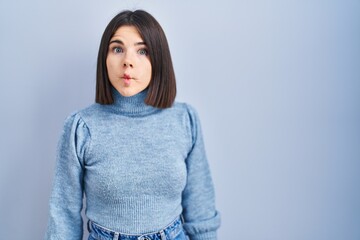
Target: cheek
(149, 69)
(110, 65)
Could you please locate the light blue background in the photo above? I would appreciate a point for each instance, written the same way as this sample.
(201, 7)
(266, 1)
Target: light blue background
(276, 84)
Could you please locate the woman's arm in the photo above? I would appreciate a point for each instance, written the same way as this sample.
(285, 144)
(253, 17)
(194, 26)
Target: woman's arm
(201, 220)
(65, 221)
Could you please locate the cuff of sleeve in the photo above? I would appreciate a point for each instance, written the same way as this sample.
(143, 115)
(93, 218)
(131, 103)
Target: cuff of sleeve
(204, 236)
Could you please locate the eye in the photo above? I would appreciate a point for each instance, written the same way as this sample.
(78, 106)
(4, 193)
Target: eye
(117, 50)
(143, 51)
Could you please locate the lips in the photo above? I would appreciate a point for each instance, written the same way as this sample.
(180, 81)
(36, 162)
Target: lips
(127, 79)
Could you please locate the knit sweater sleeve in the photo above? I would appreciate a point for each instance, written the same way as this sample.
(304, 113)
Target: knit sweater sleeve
(201, 220)
(65, 221)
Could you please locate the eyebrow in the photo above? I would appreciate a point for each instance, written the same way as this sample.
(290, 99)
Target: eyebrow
(120, 42)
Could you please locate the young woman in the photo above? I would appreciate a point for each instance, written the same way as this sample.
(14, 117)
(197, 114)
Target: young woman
(137, 155)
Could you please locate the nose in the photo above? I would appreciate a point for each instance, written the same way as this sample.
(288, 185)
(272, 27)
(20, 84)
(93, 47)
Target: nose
(128, 64)
(128, 61)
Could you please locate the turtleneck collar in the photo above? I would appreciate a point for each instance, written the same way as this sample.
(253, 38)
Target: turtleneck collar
(133, 105)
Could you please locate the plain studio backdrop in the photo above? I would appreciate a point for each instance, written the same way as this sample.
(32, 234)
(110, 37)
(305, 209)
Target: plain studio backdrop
(276, 84)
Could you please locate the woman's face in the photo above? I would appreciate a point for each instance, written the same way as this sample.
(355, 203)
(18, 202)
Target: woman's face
(128, 63)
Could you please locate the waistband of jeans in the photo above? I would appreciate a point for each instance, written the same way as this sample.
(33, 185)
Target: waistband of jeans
(171, 230)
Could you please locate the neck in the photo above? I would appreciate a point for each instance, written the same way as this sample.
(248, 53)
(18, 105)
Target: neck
(133, 105)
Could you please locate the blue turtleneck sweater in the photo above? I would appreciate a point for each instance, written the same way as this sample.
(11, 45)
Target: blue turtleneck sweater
(139, 167)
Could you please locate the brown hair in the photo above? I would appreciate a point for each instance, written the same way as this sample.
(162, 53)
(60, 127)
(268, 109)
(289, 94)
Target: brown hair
(162, 87)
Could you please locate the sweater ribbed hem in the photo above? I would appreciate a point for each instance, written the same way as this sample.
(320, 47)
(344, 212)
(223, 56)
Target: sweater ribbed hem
(204, 236)
(132, 215)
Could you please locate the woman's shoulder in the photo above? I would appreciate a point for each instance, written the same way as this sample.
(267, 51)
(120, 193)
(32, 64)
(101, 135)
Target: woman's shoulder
(85, 114)
(188, 114)
(186, 108)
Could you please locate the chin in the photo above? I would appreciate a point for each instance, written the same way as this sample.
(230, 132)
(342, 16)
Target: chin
(128, 93)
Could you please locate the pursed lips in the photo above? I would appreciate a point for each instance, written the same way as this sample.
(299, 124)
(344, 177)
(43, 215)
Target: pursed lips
(127, 79)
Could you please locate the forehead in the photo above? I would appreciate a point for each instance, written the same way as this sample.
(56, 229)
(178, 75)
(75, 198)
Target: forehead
(127, 32)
